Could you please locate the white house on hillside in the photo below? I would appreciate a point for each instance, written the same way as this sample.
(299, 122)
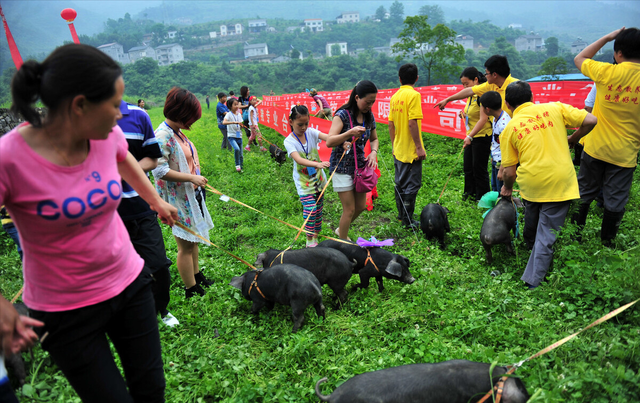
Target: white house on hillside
(169, 54)
(349, 16)
(578, 46)
(465, 40)
(116, 52)
(342, 45)
(314, 24)
(529, 42)
(139, 52)
(257, 49)
(257, 25)
(231, 29)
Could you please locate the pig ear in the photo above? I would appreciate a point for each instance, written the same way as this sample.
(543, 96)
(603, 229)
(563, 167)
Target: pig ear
(518, 202)
(260, 259)
(237, 282)
(446, 210)
(394, 268)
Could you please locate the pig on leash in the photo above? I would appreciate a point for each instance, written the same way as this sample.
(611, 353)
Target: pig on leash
(330, 266)
(455, 381)
(373, 262)
(285, 284)
(497, 224)
(434, 222)
(277, 154)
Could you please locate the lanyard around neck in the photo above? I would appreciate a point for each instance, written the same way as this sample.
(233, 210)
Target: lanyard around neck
(306, 150)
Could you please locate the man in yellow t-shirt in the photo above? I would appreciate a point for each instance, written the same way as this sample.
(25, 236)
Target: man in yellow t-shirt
(611, 150)
(405, 114)
(536, 138)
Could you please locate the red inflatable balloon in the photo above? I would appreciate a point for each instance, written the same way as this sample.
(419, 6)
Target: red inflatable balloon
(69, 14)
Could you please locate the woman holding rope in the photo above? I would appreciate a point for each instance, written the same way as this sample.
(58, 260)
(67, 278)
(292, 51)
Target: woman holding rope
(179, 183)
(353, 124)
(60, 179)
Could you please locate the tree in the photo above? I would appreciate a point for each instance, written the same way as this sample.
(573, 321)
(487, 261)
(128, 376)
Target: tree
(552, 46)
(335, 50)
(434, 48)
(552, 67)
(295, 54)
(396, 11)
(435, 14)
(381, 13)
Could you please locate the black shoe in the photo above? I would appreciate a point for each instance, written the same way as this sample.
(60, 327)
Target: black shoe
(409, 201)
(202, 280)
(610, 225)
(196, 289)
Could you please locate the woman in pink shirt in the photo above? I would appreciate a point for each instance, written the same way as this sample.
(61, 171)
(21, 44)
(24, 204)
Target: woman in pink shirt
(61, 180)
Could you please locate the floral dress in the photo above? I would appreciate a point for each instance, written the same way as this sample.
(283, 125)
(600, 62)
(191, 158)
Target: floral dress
(181, 195)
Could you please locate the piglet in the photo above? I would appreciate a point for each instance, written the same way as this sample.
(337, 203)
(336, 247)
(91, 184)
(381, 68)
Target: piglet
(455, 381)
(285, 284)
(497, 224)
(277, 154)
(381, 264)
(330, 266)
(434, 222)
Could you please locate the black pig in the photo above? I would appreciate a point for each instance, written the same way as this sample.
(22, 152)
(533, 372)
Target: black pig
(434, 222)
(497, 224)
(455, 381)
(277, 154)
(330, 266)
(285, 284)
(382, 264)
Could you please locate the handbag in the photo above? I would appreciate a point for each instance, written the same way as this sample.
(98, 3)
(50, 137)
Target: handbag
(365, 178)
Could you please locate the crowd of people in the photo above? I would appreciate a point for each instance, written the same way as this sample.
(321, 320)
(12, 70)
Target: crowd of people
(95, 266)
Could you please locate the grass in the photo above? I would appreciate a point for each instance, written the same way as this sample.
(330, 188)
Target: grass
(455, 309)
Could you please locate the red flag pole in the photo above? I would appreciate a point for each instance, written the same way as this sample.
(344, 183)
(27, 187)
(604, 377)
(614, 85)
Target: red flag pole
(13, 48)
(69, 14)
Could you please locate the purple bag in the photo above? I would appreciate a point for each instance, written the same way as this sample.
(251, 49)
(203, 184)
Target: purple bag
(365, 178)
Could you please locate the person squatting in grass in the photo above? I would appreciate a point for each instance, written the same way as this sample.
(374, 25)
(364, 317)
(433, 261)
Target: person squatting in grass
(233, 120)
(253, 124)
(308, 172)
(60, 179)
(353, 124)
(477, 144)
(324, 111)
(407, 146)
(221, 111)
(179, 182)
(610, 152)
(491, 103)
(142, 222)
(536, 139)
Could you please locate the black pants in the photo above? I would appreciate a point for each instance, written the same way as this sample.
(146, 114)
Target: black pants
(146, 237)
(476, 160)
(408, 176)
(6, 393)
(77, 342)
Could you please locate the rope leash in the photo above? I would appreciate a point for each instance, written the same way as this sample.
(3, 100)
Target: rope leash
(15, 298)
(555, 345)
(451, 173)
(395, 188)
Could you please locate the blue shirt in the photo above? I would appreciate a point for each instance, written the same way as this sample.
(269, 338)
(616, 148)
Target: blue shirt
(221, 110)
(138, 131)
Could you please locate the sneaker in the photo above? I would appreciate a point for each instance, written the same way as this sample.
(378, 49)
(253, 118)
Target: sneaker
(170, 320)
(238, 168)
(263, 149)
(312, 243)
(202, 280)
(196, 289)
(247, 148)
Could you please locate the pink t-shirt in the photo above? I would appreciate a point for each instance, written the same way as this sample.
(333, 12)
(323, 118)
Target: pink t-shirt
(77, 251)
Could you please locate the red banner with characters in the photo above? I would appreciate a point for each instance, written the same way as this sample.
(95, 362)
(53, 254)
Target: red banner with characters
(274, 110)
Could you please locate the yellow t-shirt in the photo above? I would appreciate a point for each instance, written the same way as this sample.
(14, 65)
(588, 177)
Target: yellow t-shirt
(537, 138)
(405, 105)
(472, 109)
(616, 137)
(486, 87)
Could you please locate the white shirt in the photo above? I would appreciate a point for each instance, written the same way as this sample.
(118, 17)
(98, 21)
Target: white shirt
(253, 116)
(498, 126)
(591, 98)
(233, 130)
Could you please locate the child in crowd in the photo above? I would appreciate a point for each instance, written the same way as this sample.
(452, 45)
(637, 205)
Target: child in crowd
(221, 111)
(308, 173)
(492, 103)
(233, 120)
(253, 124)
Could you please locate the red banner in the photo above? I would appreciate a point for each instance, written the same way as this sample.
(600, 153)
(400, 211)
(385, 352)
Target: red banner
(274, 110)
(13, 48)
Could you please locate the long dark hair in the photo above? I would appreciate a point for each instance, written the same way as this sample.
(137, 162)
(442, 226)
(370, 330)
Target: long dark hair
(362, 89)
(472, 73)
(68, 71)
(244, 91)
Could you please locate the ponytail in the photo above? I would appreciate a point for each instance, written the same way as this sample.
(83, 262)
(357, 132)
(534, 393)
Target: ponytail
(70, 70)
(472, 73)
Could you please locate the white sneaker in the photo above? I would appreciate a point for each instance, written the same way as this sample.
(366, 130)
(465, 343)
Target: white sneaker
(170, 320)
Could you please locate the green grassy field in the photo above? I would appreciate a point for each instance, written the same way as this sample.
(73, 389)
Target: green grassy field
(455, 309)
